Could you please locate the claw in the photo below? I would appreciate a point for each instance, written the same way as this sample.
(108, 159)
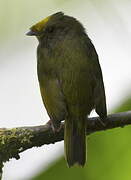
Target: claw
(58, 129)
(103, 122)
(50, 123)
(54, 129)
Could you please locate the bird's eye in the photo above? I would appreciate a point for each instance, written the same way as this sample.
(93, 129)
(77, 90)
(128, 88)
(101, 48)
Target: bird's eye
(50, 29)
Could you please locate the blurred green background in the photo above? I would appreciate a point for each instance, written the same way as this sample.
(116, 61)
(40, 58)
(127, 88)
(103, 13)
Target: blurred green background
(109, 156)
(107, 23)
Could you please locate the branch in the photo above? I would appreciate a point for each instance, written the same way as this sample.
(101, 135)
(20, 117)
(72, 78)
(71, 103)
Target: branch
(16, 140)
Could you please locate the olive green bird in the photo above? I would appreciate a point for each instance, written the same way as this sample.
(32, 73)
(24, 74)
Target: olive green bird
(70, 80)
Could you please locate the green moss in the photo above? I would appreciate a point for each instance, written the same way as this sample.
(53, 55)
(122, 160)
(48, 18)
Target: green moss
(13, 141)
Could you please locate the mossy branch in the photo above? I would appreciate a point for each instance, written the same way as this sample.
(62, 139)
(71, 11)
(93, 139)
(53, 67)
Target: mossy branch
(16, 140)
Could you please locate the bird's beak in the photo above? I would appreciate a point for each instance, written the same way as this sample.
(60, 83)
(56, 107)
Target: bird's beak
(31, 33)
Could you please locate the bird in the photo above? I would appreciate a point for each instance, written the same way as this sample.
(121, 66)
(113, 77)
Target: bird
(70, 80)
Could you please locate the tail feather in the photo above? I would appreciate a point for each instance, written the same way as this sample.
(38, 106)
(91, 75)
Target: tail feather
(75, 141)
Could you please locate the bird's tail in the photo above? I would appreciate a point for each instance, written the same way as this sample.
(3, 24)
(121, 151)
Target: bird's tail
(75, 141)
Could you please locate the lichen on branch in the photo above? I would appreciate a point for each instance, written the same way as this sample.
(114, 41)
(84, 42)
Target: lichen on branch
(16, 140)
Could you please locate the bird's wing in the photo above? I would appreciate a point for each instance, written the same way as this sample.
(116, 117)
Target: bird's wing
(82, 79)
(76, 80)
(100, 99)
(99, 90)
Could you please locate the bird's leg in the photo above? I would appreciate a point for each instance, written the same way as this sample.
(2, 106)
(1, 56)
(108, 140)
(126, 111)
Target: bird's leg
(60, 127)
(103, 121)
(50, 123)
(55, 126)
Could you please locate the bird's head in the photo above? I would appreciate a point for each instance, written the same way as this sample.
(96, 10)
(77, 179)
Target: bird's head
(39, 28)
(57, 22)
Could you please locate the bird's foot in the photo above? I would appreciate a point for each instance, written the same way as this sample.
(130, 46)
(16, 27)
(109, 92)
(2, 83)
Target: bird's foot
(103, 122)
(59, 128)
(55, 127)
